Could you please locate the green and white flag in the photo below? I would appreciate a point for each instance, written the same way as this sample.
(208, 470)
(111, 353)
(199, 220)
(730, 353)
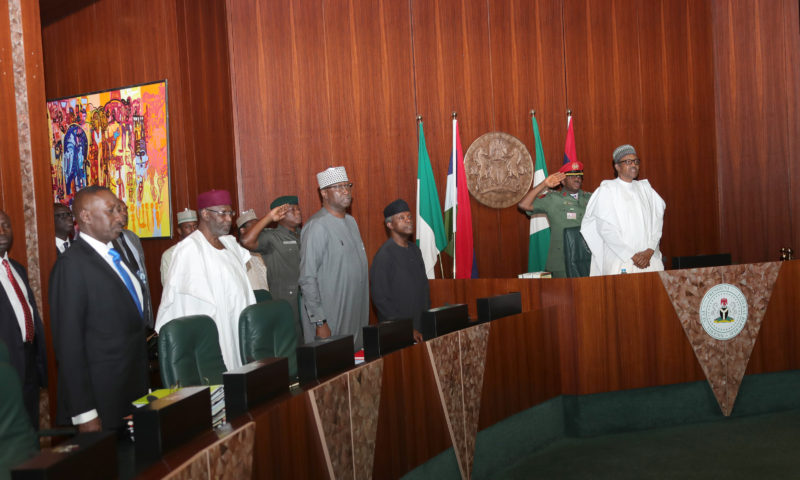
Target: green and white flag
(539, 243)
(430, 229)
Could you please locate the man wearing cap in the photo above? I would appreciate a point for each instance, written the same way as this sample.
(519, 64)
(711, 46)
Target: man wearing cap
(256, 270)
(398, 282)
(208, 275)
(187, 223)
(564, 209)
(333, 264)
(96, 306)
(280, 249)
(623, 221)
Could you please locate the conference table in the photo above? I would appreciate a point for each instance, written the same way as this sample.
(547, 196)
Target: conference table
(574, 337)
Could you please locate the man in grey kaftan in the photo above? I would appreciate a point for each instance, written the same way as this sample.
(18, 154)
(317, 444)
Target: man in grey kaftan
(333, 264)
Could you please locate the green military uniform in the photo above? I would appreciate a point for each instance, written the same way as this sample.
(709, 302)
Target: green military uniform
(563, 211)
(280, 249)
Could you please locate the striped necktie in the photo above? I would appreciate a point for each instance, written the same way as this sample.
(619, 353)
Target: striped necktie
(26, 310)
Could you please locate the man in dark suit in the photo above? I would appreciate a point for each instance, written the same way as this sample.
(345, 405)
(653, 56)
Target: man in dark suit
(64, 226)
(98, 329)
(20, 326)
(130, 248)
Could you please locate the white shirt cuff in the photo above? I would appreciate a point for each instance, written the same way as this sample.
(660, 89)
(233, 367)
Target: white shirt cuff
(84, 417)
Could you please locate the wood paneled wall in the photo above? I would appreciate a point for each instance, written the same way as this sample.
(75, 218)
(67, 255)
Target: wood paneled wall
(339, 83)
(757, 60)
(113, 43)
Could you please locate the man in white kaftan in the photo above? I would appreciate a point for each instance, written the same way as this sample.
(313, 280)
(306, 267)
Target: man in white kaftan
(624, 220)
(207, 275)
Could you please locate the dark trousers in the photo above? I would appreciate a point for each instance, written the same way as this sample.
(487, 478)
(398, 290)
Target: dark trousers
(30, 387)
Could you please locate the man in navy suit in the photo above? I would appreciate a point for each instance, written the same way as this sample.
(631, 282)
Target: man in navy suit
(97, 323)
(20, 326)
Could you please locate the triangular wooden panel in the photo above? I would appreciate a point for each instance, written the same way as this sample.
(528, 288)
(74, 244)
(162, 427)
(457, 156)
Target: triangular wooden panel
(723, 361)
(232, 456)
(445, 355)
(756, 281)
(365, 399)
(473, 363)
(330, 403)
(459, 361)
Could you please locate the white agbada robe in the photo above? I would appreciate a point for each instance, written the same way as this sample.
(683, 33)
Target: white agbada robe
(205, 281)
(622, 219)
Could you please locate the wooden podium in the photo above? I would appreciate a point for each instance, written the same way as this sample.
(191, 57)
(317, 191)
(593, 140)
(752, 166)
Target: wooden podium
(575, 337)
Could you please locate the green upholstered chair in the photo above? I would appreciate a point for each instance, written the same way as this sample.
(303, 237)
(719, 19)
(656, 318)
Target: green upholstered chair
(18, 440)
(189, 353)
(577, 256)
(266, 330)
(262, 295)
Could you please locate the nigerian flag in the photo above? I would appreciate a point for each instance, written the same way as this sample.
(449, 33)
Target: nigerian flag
(539, 243)
(430, 228)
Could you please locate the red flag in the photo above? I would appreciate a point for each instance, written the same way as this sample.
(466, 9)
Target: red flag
(466, 264)
(570, 155)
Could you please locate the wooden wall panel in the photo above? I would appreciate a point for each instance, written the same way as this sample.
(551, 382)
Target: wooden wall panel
(112, 43)
(287, 441)
(776, 346)
(339, 91)
(522, 365)
(453, 74)
(602, 76)
(640, 72)
(526, 61)
(631, 70)
(411, 420)
(755, 57)
(677, 121)
(10, 178)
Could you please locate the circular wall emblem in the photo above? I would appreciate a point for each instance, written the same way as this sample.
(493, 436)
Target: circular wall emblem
(499, 169)
(723, 311)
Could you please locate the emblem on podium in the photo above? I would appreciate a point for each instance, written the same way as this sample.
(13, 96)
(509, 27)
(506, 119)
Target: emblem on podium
(723, 311)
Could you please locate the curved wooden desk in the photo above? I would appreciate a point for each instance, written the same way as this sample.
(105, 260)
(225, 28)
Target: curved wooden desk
(575, 337)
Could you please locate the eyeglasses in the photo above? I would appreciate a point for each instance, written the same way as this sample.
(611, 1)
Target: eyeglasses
(342, 187)
(224, 213)
(630, 162)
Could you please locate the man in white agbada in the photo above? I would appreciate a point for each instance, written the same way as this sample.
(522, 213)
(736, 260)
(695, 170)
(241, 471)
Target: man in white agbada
(207, 275)
(623, 221)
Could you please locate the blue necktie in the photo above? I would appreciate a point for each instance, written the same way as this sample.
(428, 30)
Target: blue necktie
(125, 278)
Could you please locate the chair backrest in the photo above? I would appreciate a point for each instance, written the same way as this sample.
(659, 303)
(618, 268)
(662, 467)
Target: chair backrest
(266, 330)
(189, 353)
(577, 256)
(262, 295)
(18, 440)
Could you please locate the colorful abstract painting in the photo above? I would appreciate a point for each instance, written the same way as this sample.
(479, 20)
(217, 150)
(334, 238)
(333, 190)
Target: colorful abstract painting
(118, 139)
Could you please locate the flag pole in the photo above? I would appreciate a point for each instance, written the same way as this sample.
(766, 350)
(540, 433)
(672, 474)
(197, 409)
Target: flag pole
(455, 172)
(441, 267)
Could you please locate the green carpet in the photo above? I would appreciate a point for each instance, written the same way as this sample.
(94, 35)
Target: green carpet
(757, 447)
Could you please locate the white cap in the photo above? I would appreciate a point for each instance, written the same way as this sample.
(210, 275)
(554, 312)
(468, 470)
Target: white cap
(331, 176)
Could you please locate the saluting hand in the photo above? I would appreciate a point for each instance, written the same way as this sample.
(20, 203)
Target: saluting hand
(552, 181)
(278, 213)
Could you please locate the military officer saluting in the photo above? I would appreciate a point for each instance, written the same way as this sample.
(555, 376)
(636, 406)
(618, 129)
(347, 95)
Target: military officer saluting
(564, 208)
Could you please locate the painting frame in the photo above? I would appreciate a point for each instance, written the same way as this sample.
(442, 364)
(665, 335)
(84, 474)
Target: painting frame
(117, 138)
